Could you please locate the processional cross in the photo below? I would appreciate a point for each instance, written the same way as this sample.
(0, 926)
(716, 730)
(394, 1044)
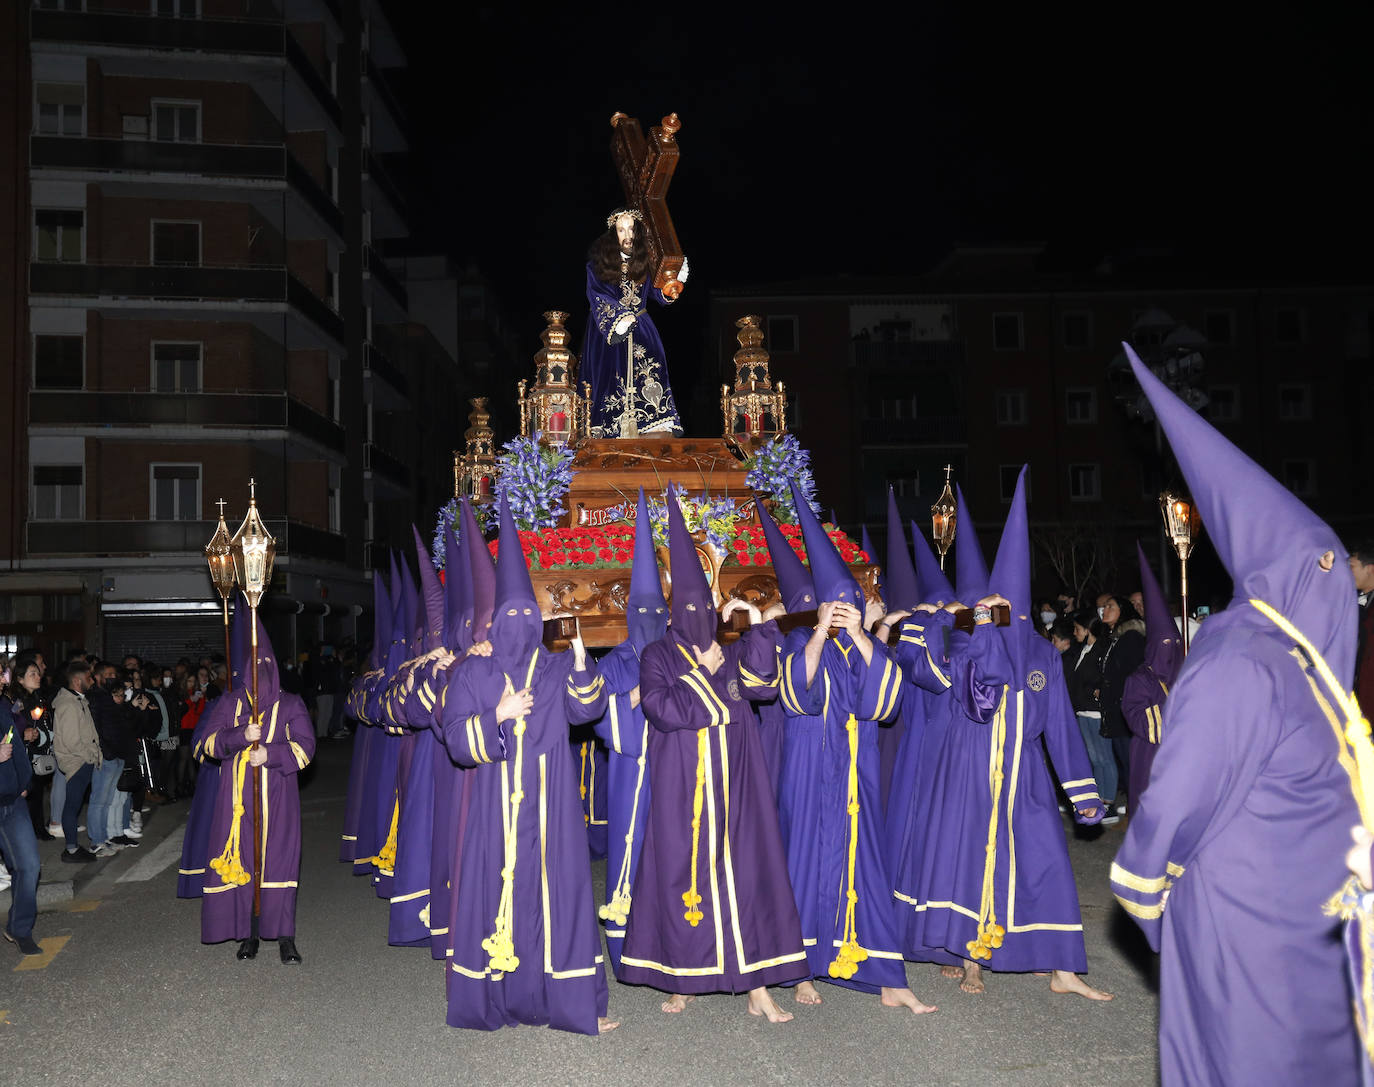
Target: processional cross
(646, 170)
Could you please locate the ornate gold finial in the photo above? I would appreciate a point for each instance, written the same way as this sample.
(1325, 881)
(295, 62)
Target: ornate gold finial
(474, 470)
(754, 410)
(553, 406)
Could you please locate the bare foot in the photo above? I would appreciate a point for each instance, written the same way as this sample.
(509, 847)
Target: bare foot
(954, 973)
(760, 1003)
(675, 1004)
(606, 1024)
(973, 978)
(806, 993)
(1065, 982)
(905, 998)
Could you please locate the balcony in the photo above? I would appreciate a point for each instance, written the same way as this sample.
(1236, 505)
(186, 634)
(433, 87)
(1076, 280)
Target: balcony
(923, 430)
(210, 411)
(185, 283)
(376, 459)
(314, 82)
(908, 353)
(129, 30)
(374, 266)
(383, 90)
(377, 364)
(376, 173)
(134, 538)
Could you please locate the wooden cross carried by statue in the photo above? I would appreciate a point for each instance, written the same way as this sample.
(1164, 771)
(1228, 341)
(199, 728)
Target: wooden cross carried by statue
(646, 169)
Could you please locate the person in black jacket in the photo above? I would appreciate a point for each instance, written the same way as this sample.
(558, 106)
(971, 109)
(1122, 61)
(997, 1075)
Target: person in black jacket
(32, 709)
(1125, 653)
(1083, 673)
(18, 846)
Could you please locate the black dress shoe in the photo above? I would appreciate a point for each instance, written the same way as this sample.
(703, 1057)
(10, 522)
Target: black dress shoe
(248, 949)
(287, 947)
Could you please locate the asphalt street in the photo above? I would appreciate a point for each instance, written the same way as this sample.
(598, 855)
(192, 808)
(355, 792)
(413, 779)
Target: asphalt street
(125, 993)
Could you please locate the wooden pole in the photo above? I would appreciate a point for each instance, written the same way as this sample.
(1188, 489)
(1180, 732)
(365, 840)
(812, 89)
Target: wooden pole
(228, 654)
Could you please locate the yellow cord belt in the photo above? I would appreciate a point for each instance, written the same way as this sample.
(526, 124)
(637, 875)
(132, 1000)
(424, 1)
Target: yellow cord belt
(690, 898)
(990, 933)
(850, 953)
(500, 945)
(229, 864)
(617, 909)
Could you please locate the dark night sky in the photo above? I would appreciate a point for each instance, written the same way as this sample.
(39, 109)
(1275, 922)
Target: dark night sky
(869, 147)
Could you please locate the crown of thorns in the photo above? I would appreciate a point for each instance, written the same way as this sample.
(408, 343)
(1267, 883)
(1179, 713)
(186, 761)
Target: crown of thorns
(633, 213)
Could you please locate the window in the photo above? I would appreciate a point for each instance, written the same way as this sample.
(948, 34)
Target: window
(1290, 325)
(176, 242)
(332, 501)
(1007, 334)
(59, 234)
(61, 109)
(176, 121)
(1300, 477)
(1218, 326)
(905, 486)
(176, 367)
(1085, 484)
(176, 492)
(782, 335)
(61, 5)
(1006, 481)
(1223, 403)
(177, 9)
(1295, 402)
(59, 362)
(1076, 330)
(1080, 405)
(1011, 407)
(57, 492)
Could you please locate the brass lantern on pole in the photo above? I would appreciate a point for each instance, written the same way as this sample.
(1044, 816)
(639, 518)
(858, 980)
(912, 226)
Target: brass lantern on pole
(219, 554)
(254, 550)
(1183, 525)
(944, 518)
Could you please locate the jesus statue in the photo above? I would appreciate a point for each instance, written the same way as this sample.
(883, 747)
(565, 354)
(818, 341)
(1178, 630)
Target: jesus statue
(621, 338)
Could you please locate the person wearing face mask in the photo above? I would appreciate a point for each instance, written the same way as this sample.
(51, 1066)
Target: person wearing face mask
(1125, 652)
(713, 822)
(1047, 616)
(29, 702)
(625, 732)
(515, 958)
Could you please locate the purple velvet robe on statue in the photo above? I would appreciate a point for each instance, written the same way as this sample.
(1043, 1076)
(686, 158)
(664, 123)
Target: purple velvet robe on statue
(749, 934)
(288, 735)
(818, 832)
(604, 360)
(560, 980)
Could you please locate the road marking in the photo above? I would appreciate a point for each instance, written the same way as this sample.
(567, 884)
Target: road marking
(51, 946)
(168, 850)
(80, 905)
(5, 1018)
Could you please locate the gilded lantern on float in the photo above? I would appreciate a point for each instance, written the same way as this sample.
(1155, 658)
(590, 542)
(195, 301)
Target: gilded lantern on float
(944, 518)
(754, 410)
(553, 406)
(474, 470)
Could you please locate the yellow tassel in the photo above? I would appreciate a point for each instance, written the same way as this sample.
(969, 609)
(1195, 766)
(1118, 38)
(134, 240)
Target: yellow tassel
(850, 953)
(690, 898)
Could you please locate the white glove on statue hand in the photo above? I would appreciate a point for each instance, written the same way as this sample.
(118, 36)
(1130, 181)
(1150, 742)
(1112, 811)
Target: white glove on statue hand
(682, 275)
(622, 326)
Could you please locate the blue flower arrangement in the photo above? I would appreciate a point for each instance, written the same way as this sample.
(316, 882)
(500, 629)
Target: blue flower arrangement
(535, 480)
(777, 461)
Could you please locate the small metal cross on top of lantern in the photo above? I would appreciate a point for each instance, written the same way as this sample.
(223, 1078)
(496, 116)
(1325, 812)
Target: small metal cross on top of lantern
(944, 518)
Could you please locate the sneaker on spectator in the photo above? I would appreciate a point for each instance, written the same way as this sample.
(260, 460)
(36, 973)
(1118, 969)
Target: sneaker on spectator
(132, 832)
(5, 878)
(55, 829)
(136, 820)
(124, 841)
(145, 808)
(77, 856)
(104, 849)
(1110, 820)
(1121, 809)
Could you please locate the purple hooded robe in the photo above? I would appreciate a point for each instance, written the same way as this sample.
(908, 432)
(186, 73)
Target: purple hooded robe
(1240, 838)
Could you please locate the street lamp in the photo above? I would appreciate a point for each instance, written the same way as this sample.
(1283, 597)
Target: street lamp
(219, 554)
(943, 518)
(1182, 525)
(254, 549)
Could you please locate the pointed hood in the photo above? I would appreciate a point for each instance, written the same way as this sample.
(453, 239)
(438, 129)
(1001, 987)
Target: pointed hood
(413, 630)
(931, 583)
(900, 588)
(1163, 643)
(970, 568)
(867, 545)
(794, 579)
(693, 608)
(269, 676)
(431, 597)
(238, 642)
(483, 573)
(1269, 542)
(829, 574)
(457, 594)
(396, 641)
(381, 622)
(516, 626)
(1011, 573)
(646, 612)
